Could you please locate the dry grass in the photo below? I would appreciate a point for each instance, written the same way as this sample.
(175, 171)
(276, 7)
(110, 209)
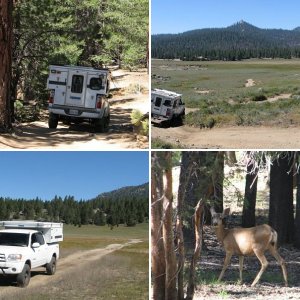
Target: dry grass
(122, 274)
(119, 275)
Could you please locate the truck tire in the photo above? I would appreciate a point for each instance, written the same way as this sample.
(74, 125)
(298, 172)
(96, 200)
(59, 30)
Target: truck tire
(106, 123)
(101, 125)
(53, 121)
(24, 277)
(51, 266)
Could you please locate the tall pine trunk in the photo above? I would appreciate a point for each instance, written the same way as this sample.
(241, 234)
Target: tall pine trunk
(6, 61)
(297, 219)
(157, 246)
(186, 168)
(281, 216)
(168, 237)
(248, 218)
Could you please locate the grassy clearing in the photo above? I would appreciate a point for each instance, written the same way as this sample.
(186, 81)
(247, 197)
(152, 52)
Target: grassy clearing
(218, 90)
(120, 275)
(160, 144)
(91, 236)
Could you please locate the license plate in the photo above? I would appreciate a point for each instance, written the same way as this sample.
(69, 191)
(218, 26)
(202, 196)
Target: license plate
(73, 112)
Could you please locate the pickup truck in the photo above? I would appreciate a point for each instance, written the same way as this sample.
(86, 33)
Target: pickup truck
(166, 107)
(77, 94)
(25, 245)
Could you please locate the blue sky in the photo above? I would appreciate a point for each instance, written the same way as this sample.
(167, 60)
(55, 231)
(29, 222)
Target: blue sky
(174, 16)
(80, 174)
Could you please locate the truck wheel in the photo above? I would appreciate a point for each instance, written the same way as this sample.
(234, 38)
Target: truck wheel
(24, 277)
(51, 266)
(106, 123)
(53, 121)
(99, 125)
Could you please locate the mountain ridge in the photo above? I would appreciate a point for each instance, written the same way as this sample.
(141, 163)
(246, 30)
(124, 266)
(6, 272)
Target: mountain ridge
(134, 190)
(240, 40)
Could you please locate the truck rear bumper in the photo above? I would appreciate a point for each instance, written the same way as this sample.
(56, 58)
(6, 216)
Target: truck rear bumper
(77, 112)
(156, 119)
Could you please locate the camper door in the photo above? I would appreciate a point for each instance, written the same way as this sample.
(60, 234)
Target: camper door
(58, 81)
(96, 84)
(76, 90)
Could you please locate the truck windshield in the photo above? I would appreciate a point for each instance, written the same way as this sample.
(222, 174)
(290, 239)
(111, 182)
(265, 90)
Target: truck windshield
(14, 239)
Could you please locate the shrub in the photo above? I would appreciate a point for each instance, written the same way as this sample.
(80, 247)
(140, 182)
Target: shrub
(260, 97)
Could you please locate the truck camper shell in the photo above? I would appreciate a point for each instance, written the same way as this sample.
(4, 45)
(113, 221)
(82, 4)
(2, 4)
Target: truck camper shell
(53, 232)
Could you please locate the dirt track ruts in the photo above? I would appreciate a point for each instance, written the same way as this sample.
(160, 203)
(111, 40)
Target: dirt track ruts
(65, 266)
(230, 137)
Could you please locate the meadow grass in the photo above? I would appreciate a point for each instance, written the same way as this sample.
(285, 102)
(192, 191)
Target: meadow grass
(122, 274)
(218, 90)
(92, 236)
(160, 144)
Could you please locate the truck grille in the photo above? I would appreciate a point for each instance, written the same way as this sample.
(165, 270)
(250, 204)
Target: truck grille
(2, 257)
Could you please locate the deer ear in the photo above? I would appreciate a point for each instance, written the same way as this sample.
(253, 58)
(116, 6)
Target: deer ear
(226, 212)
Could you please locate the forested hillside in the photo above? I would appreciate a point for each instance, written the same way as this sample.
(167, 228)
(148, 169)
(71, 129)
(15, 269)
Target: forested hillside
(128, 205)
(239, 41)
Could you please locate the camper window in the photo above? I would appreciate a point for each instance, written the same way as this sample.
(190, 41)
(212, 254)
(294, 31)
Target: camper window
(95, 84)
(168, 103)
(158, 101)
(77, 84)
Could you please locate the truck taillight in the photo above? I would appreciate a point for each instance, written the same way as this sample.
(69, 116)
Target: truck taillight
(98, 101)
(51, 96)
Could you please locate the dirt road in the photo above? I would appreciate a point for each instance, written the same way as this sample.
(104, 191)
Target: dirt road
(230, 137)
(130, 92)
(66, 266)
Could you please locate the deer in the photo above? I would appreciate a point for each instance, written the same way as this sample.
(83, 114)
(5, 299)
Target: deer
(247, 242)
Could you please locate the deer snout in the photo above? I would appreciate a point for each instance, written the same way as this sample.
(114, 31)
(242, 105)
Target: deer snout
(215, 222)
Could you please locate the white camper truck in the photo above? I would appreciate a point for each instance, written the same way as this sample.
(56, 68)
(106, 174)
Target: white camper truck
(25, 245)
(166, 107)
(77, 94)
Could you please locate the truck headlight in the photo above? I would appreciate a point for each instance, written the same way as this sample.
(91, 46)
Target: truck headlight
(14, 257)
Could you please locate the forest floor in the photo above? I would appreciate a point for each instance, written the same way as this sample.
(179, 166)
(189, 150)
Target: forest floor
(130, 91)
(270, 287)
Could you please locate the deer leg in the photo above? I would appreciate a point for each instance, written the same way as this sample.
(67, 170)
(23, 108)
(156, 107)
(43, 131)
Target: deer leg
(280, 260)
(241, 262)
(264, 263)
(226, 263)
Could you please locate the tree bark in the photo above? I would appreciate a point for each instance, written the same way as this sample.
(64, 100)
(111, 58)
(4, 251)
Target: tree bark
(217, 181)
(281, 199)
(6, 62)
(185, 174)
(157, 246)
(230, 158)
(171, 267)
(297, 219)
(248, 218)
(198, 219)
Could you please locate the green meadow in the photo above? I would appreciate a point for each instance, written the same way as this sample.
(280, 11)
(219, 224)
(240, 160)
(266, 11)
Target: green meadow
(92, 236)
(217, 95)
(121, 274)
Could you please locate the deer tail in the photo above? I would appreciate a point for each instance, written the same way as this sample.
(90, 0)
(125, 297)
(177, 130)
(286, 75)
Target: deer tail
(274, 237)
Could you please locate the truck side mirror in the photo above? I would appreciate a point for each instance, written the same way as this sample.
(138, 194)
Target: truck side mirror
(35, 245)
